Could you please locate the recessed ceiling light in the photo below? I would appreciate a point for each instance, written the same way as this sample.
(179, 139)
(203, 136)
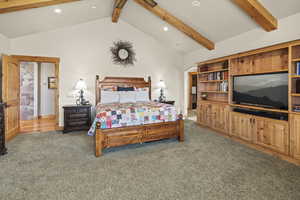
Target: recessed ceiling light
(196, 3)
(94, 7)
(57, 10)
(166, 28)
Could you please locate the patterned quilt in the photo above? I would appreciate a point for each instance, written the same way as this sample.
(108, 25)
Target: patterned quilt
(115, 115)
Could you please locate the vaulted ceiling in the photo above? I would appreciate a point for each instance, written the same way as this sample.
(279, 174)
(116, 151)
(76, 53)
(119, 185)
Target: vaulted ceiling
(215, 19)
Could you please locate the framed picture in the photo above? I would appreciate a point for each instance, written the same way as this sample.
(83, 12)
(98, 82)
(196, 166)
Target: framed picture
(52, 82)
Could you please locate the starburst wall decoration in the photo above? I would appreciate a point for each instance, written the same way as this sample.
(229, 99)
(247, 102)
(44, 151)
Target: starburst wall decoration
(123, 53)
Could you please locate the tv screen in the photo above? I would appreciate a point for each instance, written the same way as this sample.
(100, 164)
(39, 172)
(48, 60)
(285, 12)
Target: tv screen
(266, 90)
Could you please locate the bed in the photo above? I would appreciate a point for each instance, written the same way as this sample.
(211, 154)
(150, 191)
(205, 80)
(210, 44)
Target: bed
(119, 124)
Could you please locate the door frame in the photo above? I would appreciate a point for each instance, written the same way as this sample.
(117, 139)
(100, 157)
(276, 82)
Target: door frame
(190, 88)
(41, 59)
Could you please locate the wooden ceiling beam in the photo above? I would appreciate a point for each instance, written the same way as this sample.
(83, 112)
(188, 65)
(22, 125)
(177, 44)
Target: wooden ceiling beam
(258, 13)
(177, 23)
(17, 5)
(119, 4)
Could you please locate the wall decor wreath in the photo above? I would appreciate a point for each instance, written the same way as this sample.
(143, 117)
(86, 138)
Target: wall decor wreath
(123, 53)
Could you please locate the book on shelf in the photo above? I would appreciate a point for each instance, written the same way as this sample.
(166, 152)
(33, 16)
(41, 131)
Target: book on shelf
(217, 76)
(298, 68)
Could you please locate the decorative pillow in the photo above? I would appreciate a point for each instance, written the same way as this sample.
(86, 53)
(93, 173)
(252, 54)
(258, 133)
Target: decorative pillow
(127, 97)
(110, 97)
(142, 96)
(125, 88)
(142, 89)
(112, 88)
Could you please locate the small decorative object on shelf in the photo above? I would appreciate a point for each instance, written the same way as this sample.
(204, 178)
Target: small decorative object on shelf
(297, 107)
(77, 118)
(204, 96)
(81, 87)
(162, 86)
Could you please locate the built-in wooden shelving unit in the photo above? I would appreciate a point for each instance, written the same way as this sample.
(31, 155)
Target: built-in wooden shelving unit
(217, 110)
(213, 81)
(294, 79)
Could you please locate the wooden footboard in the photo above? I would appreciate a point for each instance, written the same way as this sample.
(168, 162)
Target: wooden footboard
(106, 138)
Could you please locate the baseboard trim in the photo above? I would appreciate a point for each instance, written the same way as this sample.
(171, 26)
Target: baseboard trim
(59, 128)
(10, 137)
(47, 117)
(255, 146)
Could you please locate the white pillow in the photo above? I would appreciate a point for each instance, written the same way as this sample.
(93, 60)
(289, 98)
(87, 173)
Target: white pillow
(127, 96)
(110, 97)
(142, 96)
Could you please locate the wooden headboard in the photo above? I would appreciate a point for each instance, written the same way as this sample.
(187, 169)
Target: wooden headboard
(109, 82)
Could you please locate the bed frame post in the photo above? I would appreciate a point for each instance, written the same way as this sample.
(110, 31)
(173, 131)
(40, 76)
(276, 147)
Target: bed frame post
(97, 98)
(181, 128)
(98, 140)
(149, 84)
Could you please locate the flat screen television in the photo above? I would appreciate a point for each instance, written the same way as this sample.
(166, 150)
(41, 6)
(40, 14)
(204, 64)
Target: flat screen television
(265, 90)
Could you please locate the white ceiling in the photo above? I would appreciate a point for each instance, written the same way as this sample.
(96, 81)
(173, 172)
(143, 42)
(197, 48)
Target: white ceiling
(215, 19)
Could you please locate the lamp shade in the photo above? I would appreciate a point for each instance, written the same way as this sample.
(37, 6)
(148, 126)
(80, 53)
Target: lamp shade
(161, 84)
(80, 85)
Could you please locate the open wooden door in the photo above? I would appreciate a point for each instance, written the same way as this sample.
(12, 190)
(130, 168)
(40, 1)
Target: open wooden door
(11, 95)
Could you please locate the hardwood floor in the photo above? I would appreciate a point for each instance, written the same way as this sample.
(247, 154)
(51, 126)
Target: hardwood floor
(38, 125)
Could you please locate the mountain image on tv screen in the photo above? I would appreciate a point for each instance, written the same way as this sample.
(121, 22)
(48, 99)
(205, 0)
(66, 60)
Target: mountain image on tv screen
(267, 90)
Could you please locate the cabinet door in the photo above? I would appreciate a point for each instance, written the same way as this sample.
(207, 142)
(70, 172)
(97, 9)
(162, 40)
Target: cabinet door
(204, 114)
(200, 114)
(295, 135)
(214, 113)
(222, 118)
(272, 134)
(241, 126)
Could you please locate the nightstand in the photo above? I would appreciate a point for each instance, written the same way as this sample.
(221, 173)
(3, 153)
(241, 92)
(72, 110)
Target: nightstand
(168, 102)
(77, 118)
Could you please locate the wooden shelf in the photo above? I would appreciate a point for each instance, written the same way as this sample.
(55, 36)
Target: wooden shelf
(263, 72)
(213, 81)
(294, 112)
(295, 76)
(296, 60)
(260, 108)
(213, 101)
(207, 72)
(295, 95)
(221, 92)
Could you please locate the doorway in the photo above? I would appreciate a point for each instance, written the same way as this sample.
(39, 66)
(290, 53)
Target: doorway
(24, 93)
(37, 97)
(192, 106)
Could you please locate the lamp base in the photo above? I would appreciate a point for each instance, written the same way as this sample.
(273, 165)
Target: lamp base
(161, 97)
(81, 100)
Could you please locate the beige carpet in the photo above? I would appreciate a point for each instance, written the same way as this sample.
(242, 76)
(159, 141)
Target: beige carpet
(207, 166)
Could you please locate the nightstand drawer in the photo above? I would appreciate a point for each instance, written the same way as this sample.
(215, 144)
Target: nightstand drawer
(78, 123)
(76, 110)
(77, 115)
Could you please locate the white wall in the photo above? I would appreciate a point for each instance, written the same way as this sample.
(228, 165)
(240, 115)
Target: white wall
(289, 29)
(4, 44)
(85, 51)
(47, 96)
